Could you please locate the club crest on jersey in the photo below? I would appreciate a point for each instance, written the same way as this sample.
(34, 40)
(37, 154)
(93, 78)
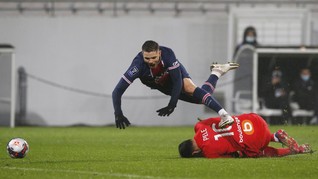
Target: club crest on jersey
(134, 70)
(247, 127)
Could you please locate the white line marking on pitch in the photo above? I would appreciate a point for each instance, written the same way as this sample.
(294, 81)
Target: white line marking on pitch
(83, 172)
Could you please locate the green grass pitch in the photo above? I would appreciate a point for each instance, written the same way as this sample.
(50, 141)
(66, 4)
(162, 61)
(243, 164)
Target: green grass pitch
(140, 152)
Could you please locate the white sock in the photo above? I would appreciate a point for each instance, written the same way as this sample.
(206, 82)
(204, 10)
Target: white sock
(275, 138)
(217, 73)
(222, 112)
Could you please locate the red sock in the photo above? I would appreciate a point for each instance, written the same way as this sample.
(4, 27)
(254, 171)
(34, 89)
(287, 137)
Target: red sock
(273, 152)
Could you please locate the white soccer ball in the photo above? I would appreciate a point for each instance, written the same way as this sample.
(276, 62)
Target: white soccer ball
(17, 148)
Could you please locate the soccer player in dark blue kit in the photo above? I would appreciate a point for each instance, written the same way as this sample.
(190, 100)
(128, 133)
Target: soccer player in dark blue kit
(157, 67)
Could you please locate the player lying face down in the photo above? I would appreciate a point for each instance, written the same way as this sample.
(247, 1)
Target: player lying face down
(249, 136)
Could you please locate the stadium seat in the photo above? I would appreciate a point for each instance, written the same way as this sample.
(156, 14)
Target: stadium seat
(243, 104)
(267, 113)
(296, 112)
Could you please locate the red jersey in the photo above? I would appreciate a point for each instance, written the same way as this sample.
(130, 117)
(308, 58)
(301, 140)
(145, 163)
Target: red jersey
(249, 134)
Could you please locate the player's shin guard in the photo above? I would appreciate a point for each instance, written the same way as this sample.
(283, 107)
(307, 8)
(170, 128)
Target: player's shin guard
(210, 84)
(207, 99)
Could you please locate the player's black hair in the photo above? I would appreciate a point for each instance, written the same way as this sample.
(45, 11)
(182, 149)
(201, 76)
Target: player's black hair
(186, 148)
(150, 46)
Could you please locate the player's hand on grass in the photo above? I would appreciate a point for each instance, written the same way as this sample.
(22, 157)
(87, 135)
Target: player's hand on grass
(166, 111)
(121, 121)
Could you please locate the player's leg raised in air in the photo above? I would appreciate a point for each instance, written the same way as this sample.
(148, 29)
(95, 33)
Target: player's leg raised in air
(204, 93)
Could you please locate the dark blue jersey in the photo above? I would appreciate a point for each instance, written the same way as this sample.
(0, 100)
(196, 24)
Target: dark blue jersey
(166, 77)
(139, 69)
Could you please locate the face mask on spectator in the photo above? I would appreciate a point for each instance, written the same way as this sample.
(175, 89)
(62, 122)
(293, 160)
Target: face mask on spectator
(250, 39)
(305, 77)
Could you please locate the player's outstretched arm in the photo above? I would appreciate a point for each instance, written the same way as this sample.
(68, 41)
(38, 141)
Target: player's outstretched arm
(176, 78)
(120, 120)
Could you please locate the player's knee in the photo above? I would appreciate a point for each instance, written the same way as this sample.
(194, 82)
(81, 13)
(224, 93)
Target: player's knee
(189, 87)
(188, 90)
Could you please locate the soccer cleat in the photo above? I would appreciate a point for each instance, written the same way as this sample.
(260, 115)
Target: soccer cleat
(221, 69)
(288, 141)
(305, 148)
(226, 120)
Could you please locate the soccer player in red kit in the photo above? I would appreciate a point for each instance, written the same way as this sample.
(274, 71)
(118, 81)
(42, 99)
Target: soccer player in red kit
(249, 136)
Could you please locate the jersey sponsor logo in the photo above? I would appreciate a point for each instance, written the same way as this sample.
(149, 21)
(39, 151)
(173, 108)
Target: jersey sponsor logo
(239, 130)
(134, 70)
(247, 126)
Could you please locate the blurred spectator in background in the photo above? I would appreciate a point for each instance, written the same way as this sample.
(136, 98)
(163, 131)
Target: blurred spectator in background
(249, 37)
(305, 91)
(276, 95)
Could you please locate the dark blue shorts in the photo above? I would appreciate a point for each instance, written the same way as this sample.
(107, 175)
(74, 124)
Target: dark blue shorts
(166, 89)
(184, 72)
